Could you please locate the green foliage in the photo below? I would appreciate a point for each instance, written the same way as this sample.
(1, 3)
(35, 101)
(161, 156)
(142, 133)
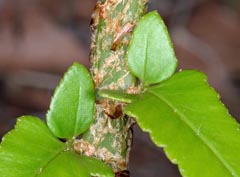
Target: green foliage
(72, 106)
(182, 113)
(184, 116)
(189, 121)
(31, 150)
(27, 148)
(69, 164)
(150, 55)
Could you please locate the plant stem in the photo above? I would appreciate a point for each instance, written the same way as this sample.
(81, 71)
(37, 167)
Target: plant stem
(109, 138)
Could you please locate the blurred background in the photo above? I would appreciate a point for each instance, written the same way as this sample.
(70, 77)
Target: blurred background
(39, 40)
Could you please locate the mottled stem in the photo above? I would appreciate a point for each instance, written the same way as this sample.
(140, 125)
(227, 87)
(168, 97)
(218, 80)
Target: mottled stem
(109, 138)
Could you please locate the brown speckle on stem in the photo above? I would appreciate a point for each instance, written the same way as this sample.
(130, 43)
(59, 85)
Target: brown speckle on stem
(109, 137)
(123, 31)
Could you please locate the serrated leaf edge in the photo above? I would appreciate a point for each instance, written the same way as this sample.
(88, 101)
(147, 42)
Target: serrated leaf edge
(164, 146)
(39, 170)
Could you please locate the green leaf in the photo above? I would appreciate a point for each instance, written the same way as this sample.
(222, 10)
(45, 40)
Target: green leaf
(150, 55)
(69, 164)
(185, 117)
(28, 148)
(72, 106)
(95, 167)
(31, 150)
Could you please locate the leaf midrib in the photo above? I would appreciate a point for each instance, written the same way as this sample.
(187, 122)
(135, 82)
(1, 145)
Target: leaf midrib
(202, 138)
(49, 161)
(146, 60)
(77, 112)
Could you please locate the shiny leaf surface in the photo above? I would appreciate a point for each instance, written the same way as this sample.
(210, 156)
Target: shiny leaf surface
(185, 117)
(31, 150)
(150, 55)
(72, 106)
(28, 148)
(69, 164)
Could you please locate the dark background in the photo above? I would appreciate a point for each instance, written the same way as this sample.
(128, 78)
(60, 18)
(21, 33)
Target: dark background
(39, 40)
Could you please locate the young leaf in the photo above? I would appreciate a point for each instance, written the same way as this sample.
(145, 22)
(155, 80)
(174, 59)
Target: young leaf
(72, 107)
(150, 55)
(184, 115)
(31, 150)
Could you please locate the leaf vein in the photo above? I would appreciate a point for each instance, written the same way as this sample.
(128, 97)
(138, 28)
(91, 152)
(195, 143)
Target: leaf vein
(202, 138)
(77, 112)
(145, 61)
(48, 162)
